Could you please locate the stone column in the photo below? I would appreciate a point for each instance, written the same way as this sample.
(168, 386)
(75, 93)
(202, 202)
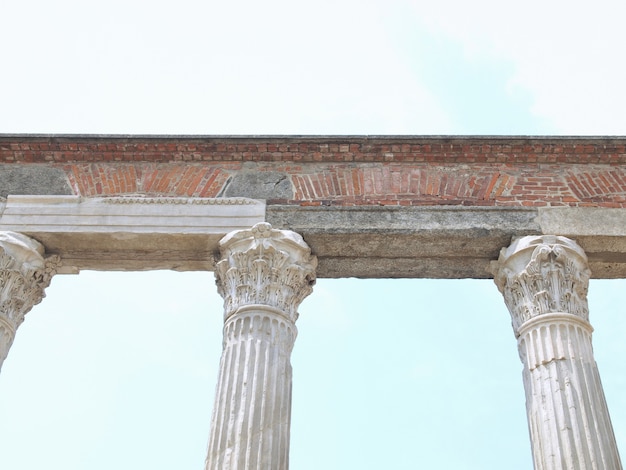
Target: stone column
(24, 274)
(263, 276)
(544, 281)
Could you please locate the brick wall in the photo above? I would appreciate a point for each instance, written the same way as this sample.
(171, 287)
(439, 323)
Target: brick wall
(497, 171)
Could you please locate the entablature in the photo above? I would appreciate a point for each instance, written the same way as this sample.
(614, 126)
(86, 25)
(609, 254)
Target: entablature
(148, 233)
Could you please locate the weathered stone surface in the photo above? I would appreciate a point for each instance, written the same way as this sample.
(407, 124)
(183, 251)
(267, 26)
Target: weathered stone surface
(139, 233)
(544, 281)
(444, 241)
(24, 274)
(265, 266)
(600, 232)
(32, 179)
(130, 233)
(259, 185)
(492, 171)
(263, 276)
(437, 242)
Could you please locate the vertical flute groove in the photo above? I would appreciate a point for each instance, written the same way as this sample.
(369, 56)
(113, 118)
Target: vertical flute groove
(544, 281)
(263, 275)
(252, 428)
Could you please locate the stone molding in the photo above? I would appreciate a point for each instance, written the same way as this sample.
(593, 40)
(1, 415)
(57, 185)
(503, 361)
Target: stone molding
(265, 266)
(24, 275)
(445, 242)
(236, 201)
(132, 215)
(130, 233)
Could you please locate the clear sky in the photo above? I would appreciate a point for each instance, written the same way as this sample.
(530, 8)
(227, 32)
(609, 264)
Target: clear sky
(117, 370)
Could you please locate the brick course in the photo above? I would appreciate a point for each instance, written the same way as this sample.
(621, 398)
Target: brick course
(490, 171)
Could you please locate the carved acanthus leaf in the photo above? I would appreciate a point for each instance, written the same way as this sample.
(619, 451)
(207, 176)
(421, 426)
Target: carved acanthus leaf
(264, 266)
(545, 275)
(23, 280)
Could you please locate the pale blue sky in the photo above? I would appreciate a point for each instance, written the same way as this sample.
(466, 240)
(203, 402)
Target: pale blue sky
(117, 370)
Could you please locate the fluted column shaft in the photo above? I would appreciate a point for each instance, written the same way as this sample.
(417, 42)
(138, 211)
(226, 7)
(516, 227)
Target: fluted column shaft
(263, 276)
(544, 280)
(24, 274)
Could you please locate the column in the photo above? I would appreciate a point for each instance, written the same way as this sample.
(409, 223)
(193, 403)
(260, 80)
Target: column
(263, 276)
(24, 274)
(544, 281)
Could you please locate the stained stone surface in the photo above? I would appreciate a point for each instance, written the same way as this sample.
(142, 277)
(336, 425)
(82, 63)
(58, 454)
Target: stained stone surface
(24, 274)
(544, 281)
(263, 275)
(259, 185)
(130, 233)
(448, 242)
(32, 179)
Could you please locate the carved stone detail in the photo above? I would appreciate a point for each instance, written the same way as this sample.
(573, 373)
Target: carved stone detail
(543, 274)
(24, 274)
(179, 200)
(263, 276)
(544, 281)
(252, 413)
(265, 266)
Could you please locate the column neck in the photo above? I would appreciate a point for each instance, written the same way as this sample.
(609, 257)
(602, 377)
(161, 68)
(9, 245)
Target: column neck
(260, 324)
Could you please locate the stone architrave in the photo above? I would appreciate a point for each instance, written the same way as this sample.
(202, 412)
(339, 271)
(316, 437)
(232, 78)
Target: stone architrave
(24, 274)
(263, 276)
(130, 233)
(544, 281)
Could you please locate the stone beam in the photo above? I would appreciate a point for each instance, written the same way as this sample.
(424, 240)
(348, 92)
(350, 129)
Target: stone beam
(145, 233)
(130, 233)
(445, 241)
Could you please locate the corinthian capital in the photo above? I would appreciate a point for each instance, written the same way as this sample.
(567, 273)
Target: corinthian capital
(264, 266)
(24, 274)
(543, 274)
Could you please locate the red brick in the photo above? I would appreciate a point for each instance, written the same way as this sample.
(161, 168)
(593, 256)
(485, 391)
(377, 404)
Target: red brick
(419, 173)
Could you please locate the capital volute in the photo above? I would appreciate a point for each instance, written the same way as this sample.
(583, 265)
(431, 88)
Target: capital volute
(542, 274)
(264, 266)
(24, 274)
